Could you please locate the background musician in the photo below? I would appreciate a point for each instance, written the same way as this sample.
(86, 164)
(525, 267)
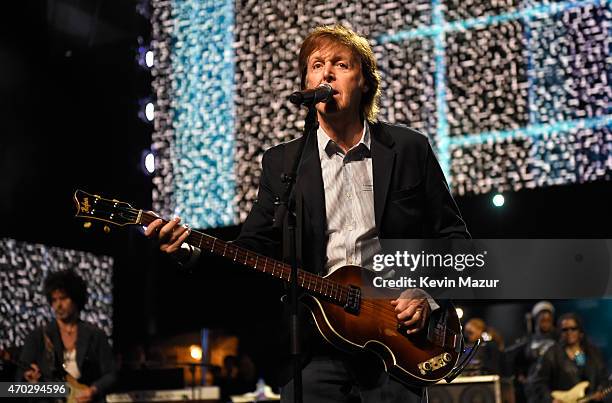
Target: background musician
(68, 345)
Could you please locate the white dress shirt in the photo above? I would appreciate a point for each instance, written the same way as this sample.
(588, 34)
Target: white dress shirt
(349, 202)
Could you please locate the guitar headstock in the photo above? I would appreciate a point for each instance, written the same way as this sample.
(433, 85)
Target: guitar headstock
(94, 207)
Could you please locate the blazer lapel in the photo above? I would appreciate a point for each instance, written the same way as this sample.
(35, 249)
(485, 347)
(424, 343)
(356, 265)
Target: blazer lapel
(310, 180)
(383, 161)
(53, 333)
(54, 345)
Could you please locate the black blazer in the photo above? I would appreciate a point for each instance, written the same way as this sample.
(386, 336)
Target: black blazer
(556, 371)
(411, 197)
(411, 200)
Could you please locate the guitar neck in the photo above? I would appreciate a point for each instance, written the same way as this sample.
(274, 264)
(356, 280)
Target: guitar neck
(590, 397)
(312, 283)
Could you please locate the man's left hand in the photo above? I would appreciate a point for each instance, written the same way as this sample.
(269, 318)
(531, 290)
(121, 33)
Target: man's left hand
(412, 313)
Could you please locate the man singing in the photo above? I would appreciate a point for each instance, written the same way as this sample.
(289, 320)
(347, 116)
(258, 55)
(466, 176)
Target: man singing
(360, 181)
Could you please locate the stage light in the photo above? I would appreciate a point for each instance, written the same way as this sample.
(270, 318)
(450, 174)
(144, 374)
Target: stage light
(195, 352)
(149, 58)
(146, 109)
(145, 57)
(459, 312)
(150, 111)
(149, 163)
(498, 200)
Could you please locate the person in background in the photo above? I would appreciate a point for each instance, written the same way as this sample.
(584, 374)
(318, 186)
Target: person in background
(487, 358)
(238, 376)
(572, 360)
(522, 356)
(67, 345)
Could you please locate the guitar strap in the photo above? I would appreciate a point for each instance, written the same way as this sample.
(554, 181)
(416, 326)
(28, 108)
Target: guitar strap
(51, 355)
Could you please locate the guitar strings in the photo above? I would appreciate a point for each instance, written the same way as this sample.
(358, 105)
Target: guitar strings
(334, 290)
(387, 315)
(130, 214)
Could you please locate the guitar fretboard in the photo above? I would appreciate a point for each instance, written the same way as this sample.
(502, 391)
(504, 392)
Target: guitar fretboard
(315, 284)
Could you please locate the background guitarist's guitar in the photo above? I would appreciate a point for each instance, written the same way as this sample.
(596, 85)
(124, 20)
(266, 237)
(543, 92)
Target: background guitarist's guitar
(576, 394)
(74, 387)
(344, 316)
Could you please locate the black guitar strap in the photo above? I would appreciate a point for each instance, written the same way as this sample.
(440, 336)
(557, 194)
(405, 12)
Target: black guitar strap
(52, 356)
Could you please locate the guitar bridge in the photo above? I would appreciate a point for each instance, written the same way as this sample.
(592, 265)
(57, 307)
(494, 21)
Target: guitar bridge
(353, 300)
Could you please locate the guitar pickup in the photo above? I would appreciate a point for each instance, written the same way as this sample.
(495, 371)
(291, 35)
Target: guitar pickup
(353, 300)
(434, 363)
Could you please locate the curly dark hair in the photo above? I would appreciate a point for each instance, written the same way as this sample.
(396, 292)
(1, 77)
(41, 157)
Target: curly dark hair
(69, 282)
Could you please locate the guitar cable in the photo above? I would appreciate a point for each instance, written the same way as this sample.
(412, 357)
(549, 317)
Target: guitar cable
(466, 360)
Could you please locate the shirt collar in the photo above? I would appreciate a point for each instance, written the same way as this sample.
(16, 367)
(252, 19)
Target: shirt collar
(327, 147)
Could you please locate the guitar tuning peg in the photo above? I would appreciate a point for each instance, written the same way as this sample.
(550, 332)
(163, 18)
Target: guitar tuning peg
(106, 229)
(87, 224)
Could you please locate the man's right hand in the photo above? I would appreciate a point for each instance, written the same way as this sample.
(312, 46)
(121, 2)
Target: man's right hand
(171, 235)
(32, 375)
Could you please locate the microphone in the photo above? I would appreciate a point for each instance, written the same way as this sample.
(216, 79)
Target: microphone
(322, 93)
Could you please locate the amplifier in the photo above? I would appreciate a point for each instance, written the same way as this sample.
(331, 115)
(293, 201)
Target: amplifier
(473, 389)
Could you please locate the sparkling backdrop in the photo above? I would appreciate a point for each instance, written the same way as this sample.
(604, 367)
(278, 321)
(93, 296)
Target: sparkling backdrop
(23, 268)
(513, 94)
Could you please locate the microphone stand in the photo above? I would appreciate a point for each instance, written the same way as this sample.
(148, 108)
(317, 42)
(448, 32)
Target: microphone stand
(286, 214)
